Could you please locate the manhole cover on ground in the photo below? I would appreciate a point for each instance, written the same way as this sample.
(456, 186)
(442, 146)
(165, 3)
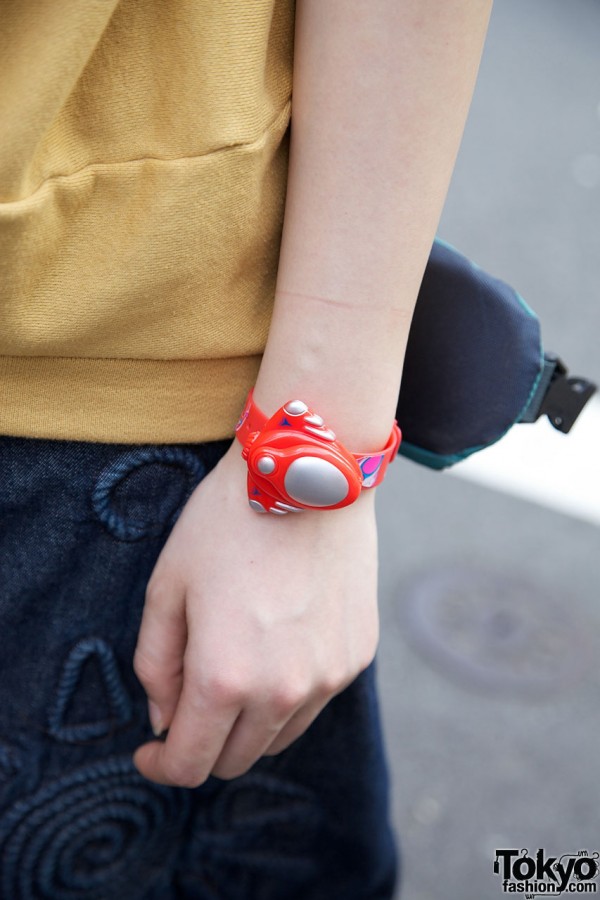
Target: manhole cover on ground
(495, 632)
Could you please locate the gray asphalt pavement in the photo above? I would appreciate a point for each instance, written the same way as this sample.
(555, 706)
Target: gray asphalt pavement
(490, 605)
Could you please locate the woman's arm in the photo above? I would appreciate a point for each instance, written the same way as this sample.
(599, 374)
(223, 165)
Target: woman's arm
(252, 623)
(381, 90)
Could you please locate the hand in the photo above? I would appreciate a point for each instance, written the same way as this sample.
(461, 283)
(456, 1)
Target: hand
(251, 624)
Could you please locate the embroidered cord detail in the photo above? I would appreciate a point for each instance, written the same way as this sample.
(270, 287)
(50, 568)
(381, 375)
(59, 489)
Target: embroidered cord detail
(115, 694)
(134, 499)
(100, 831)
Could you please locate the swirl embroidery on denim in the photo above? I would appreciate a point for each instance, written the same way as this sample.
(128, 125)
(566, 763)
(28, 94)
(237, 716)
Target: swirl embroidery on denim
(155, 510)
(259, 822)
(117, 698)
(100, 831)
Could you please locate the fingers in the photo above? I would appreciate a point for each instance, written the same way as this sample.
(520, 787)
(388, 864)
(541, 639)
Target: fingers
(222, 729)
(303, 718)
(200, 726)
(296, 726)
(255, 730)
(221, 726)
(268, 729)
(249, 741)
(158, 657)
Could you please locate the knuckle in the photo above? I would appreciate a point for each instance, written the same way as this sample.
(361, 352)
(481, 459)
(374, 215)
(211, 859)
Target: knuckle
(369, 652)
(364, 660)
(287, 697)
(367, 659)
(332, 683)
(223, 690)
(145, 668)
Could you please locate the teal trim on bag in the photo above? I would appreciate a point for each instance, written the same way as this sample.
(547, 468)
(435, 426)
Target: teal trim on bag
(534, 389)
(439, 461)
(439, 240)
(525, 305)
(443, 461)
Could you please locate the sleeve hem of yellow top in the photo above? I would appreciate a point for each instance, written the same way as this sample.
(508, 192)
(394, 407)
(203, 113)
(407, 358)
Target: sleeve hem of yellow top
(130, 401)
(135, 306)
(275, 125)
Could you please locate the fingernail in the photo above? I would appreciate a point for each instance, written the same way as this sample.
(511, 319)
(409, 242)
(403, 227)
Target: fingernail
(155, 718)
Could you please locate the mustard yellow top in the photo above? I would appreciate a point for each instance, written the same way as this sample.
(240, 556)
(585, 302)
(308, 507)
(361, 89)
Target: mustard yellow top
(143, 166)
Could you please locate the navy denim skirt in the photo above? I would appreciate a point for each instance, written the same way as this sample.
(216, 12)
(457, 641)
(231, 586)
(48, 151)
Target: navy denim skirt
(81, 527)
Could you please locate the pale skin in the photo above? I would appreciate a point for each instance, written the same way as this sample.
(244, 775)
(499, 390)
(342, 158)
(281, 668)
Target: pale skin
(252, 623)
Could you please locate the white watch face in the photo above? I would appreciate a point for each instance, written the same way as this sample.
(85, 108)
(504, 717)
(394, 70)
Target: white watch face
(315, 482)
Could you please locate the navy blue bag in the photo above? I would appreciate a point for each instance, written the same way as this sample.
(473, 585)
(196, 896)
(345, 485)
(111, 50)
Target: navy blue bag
(475, 365)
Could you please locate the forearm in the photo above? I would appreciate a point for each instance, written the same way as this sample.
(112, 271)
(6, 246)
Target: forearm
(381, 91)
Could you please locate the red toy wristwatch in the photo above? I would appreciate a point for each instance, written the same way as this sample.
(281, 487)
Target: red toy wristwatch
(295, 462)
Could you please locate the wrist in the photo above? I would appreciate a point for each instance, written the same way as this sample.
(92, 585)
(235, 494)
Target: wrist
(361, 415)
(345, 363)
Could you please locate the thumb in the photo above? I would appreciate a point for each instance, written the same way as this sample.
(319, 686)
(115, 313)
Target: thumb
(158, 657)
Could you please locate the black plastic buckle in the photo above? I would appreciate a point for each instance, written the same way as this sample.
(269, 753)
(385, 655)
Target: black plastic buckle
(565, 397)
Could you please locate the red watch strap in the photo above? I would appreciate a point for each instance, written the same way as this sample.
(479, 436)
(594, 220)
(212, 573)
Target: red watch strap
(373, 465)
